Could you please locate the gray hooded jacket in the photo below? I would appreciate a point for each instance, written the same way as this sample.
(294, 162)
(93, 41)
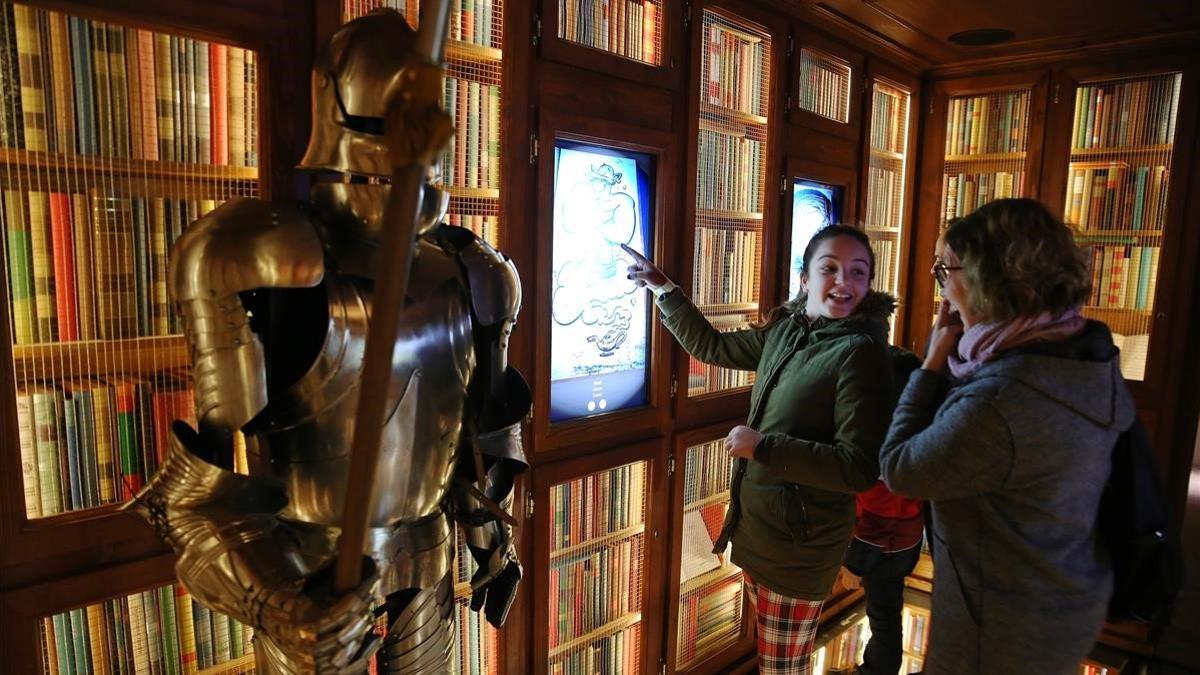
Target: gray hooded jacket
(1014, 460)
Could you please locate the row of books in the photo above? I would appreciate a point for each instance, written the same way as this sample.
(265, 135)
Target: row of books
(887, 264)
(616, 654)
(590, 590)
(598, 504)
(889, 119)
(726, 264)
(1124, 276)
(979, 125)
(472, 157)
(730, 172)
(840, 644)
(824, 85)
(91, 266)
(710, 619)
(157, 631)
(87, 442)
(487, 227)
(885, 195)
(476, 642)
(1090, 669)
(735, 68)
(629, 28)
(1117, 197)
(966, 192)
(75, 85)
(476, 22)
(704, 378)
(706, 472)
(915, 630)
(1126, 113)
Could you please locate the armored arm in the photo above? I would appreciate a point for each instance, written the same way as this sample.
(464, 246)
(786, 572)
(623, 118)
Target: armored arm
(244, 245)
(499, 399)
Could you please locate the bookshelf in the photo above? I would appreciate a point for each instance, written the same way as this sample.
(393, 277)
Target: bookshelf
(826, 89)
(824, 85)
(887, 175)
(1117, 187)
(711, 619)
(470, 165)
(597, 568)
(159, 629)
(840, 642)
(732, 142)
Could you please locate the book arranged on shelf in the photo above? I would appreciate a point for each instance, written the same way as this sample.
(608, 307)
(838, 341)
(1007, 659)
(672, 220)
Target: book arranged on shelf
(710, 619)
(87, 442)
(725, 266)
(1117, 196)
(597, 505)
(1125, 113)
(620, 652)
(965, 192)
(160, 630)
(476, 22)
(889, 119)
(476, 642)
(885, 196)
(86, 87)
(732, 169)
(628, 28)
(824, 85)
(995, 123)
(97, 263)
(1124, 276)
(472, 156)
(736, 67)
(594, 587)
(707, 473)
(887, 260)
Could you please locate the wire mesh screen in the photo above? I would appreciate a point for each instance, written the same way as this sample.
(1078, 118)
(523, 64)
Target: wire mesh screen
(884, 216)
(476, 642)
(596, 576)
(470, 164)
(986, 141)
(114, 139)
(824, 85)
(1117, 183)
(710, 616)
(160, 630)
(731, 169)
(629, 28)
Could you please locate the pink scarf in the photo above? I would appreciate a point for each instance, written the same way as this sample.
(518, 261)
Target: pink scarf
(983, 341)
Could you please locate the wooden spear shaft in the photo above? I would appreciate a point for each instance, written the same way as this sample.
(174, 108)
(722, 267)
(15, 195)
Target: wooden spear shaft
(391, 284)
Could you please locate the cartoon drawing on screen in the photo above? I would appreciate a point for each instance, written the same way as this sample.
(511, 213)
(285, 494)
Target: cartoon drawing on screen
(812, 210)
(593, 305)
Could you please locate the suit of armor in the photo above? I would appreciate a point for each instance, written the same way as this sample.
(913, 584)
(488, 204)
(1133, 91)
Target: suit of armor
(276, 302)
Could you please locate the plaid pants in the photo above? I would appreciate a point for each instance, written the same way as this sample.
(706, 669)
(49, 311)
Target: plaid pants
(787, 628)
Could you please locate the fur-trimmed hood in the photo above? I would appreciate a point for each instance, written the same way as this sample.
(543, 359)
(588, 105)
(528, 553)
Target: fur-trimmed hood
(874, 311)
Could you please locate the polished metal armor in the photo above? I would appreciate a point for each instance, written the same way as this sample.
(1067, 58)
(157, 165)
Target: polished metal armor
(276, 302)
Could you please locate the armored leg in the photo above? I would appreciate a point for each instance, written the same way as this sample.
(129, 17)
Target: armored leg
(421, 630)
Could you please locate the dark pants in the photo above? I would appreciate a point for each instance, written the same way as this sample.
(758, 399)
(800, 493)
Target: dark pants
(883, 583)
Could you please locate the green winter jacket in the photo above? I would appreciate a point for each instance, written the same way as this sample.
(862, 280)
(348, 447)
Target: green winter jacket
(822, 397)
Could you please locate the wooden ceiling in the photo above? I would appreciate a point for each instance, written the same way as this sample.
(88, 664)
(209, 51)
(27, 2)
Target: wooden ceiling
(919, 28)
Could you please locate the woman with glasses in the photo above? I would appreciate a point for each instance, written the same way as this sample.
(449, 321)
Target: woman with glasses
(1007, 428)
(819, 409)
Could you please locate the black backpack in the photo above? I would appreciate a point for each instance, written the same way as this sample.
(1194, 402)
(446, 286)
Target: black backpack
(1135, 524)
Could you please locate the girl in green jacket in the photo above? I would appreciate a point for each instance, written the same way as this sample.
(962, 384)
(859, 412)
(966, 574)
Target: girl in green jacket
(819, 411)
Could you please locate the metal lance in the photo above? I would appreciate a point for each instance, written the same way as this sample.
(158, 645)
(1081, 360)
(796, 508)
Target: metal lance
(392, 265)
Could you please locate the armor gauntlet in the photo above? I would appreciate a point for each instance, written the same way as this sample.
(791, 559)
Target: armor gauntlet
(238, 557)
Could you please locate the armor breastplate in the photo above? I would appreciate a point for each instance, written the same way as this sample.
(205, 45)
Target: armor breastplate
(311, 424)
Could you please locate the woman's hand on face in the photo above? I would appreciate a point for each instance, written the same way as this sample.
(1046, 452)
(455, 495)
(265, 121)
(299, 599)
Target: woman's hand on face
(947, 329)
(643, 272)
(741, 442)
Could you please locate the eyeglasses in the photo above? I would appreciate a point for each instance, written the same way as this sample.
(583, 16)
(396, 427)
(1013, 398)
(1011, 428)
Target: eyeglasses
(941, 272)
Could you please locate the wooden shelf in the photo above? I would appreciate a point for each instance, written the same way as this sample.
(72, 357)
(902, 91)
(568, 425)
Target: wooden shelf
(887, 154)
(1124, 150)
(469, 51)
(872, 229)
(753, 217)
(242, 664)
(610, 628)
(730, 114)
(597, 542)
(1123, 321)
(984, 158)
(47, 162)
(1117, 236)
(140, 356)
(720, 497)
(472, 193)
(729, 308)
(726, 571)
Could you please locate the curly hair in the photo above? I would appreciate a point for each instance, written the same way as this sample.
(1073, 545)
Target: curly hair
(1019, 260)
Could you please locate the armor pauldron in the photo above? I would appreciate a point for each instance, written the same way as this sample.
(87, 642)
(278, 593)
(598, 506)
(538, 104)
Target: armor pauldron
(495, 285)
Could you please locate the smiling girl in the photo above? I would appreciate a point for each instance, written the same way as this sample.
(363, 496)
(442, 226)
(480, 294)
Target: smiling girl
(819, 410)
